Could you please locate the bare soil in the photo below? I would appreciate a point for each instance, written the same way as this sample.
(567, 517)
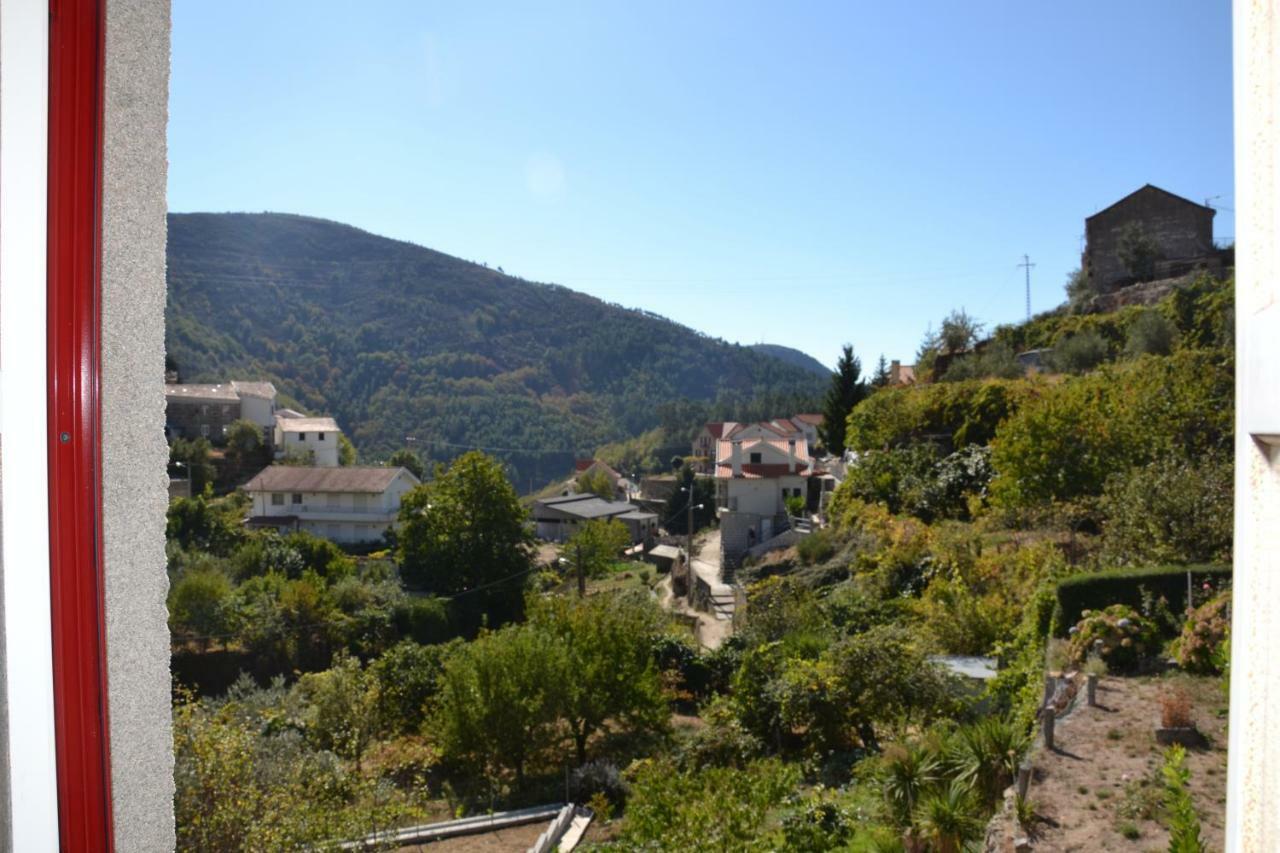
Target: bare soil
(1101, 788)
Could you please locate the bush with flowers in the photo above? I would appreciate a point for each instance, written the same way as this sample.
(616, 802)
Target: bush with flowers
(1205, 629)
(1128, 638)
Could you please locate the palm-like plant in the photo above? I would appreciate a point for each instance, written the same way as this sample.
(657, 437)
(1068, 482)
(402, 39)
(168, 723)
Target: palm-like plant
(948, 817)
(986, 755)
(911, 769)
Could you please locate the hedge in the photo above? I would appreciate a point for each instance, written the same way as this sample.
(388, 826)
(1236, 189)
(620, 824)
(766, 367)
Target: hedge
(1097, 590)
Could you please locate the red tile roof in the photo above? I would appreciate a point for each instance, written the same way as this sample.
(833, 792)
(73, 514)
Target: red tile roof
(716, 428)
(808, 418)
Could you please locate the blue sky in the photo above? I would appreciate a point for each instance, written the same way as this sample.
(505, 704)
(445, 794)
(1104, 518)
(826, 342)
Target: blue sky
(806, 174)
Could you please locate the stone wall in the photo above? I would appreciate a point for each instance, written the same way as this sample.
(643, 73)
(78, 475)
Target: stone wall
(1183, 231)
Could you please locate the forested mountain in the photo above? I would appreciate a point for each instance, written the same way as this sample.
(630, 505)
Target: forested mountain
(794, 357)
(397, 340)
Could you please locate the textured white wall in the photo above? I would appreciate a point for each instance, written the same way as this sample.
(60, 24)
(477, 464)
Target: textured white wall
(135, 485)
(1253, 772)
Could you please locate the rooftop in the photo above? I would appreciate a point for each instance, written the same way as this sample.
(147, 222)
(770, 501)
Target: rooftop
(304, 424)
(299, 478)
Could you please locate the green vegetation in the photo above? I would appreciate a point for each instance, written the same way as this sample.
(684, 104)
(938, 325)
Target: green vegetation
(1094, 590)
(464, 532)
(1184, 824)
(983, 516)
(397, 340)
(846, 391)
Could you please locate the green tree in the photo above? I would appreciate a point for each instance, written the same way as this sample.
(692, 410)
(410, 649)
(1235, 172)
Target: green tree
(347, 454)
(676, 511)
(959, 332)
(244, 444)
(1151, 333)
(595, 483)
(407, 676)
(597, 545)
(886, 680)
(342, 704)
(1080, 352)
(846, 391)
(197, 524)
(199, 604)
(192, 459)
(409, 460)
(608, 644)
(880, 379)
(1079, 289)
(465, 532)
(499, 699)
(1172, 510)
(1137, 251)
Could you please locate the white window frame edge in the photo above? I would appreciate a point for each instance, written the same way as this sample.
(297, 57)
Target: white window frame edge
(24, 483)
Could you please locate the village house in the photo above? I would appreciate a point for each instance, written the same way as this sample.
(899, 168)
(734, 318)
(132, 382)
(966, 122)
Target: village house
(557, 519)
(193, 411)
(349, 505)
(1181, 230)
(758, 467)
(901, 374)
(809, 424)
(706, 445)
(315, 438)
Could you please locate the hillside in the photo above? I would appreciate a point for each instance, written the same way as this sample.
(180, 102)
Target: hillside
(397, 340)
(794, 357)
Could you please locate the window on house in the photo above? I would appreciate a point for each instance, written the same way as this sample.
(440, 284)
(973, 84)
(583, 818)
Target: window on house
(755, 458)
(277, 500)
(297, 498)
(320, 436)
(302, 436)
(204, 430)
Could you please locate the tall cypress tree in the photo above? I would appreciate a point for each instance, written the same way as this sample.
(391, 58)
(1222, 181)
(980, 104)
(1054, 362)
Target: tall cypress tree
(847, 390)
(880, 378)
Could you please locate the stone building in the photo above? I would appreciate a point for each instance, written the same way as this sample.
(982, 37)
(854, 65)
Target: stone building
(1181, 230)
(192, 411)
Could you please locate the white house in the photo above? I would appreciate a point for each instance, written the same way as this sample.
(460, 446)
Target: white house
(758, 475)
(303, 435)
(351, 504)
(754, 477)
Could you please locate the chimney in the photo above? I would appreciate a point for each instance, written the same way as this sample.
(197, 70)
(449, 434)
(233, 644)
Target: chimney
(791, 456)
(895, 369)
(735, 458)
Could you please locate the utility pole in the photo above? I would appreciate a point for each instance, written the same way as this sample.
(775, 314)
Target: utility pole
(1026, 262)
(582, 574)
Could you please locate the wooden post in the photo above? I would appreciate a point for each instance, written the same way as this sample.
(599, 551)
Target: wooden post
(1047, 720)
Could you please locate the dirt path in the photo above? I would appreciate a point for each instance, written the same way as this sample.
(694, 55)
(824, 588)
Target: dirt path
(1101, 789)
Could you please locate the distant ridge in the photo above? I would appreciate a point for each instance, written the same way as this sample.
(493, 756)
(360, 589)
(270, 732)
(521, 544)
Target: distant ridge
(396, 340)
(794, 357)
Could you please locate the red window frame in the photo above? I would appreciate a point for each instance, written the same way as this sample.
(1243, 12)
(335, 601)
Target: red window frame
(76, 70)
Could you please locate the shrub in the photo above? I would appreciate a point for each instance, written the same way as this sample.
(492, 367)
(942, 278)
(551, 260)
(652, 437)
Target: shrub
(817, 547)
(1128, 639)
(709, 808)
(959, 413)
(1065, 442)
(1173, 509)
(818, 824)
(1095, 590)
(1081, 352)
(1203, 634)
(1150, 334)
(598, 778)
(1175, 708)
(1184, 824)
